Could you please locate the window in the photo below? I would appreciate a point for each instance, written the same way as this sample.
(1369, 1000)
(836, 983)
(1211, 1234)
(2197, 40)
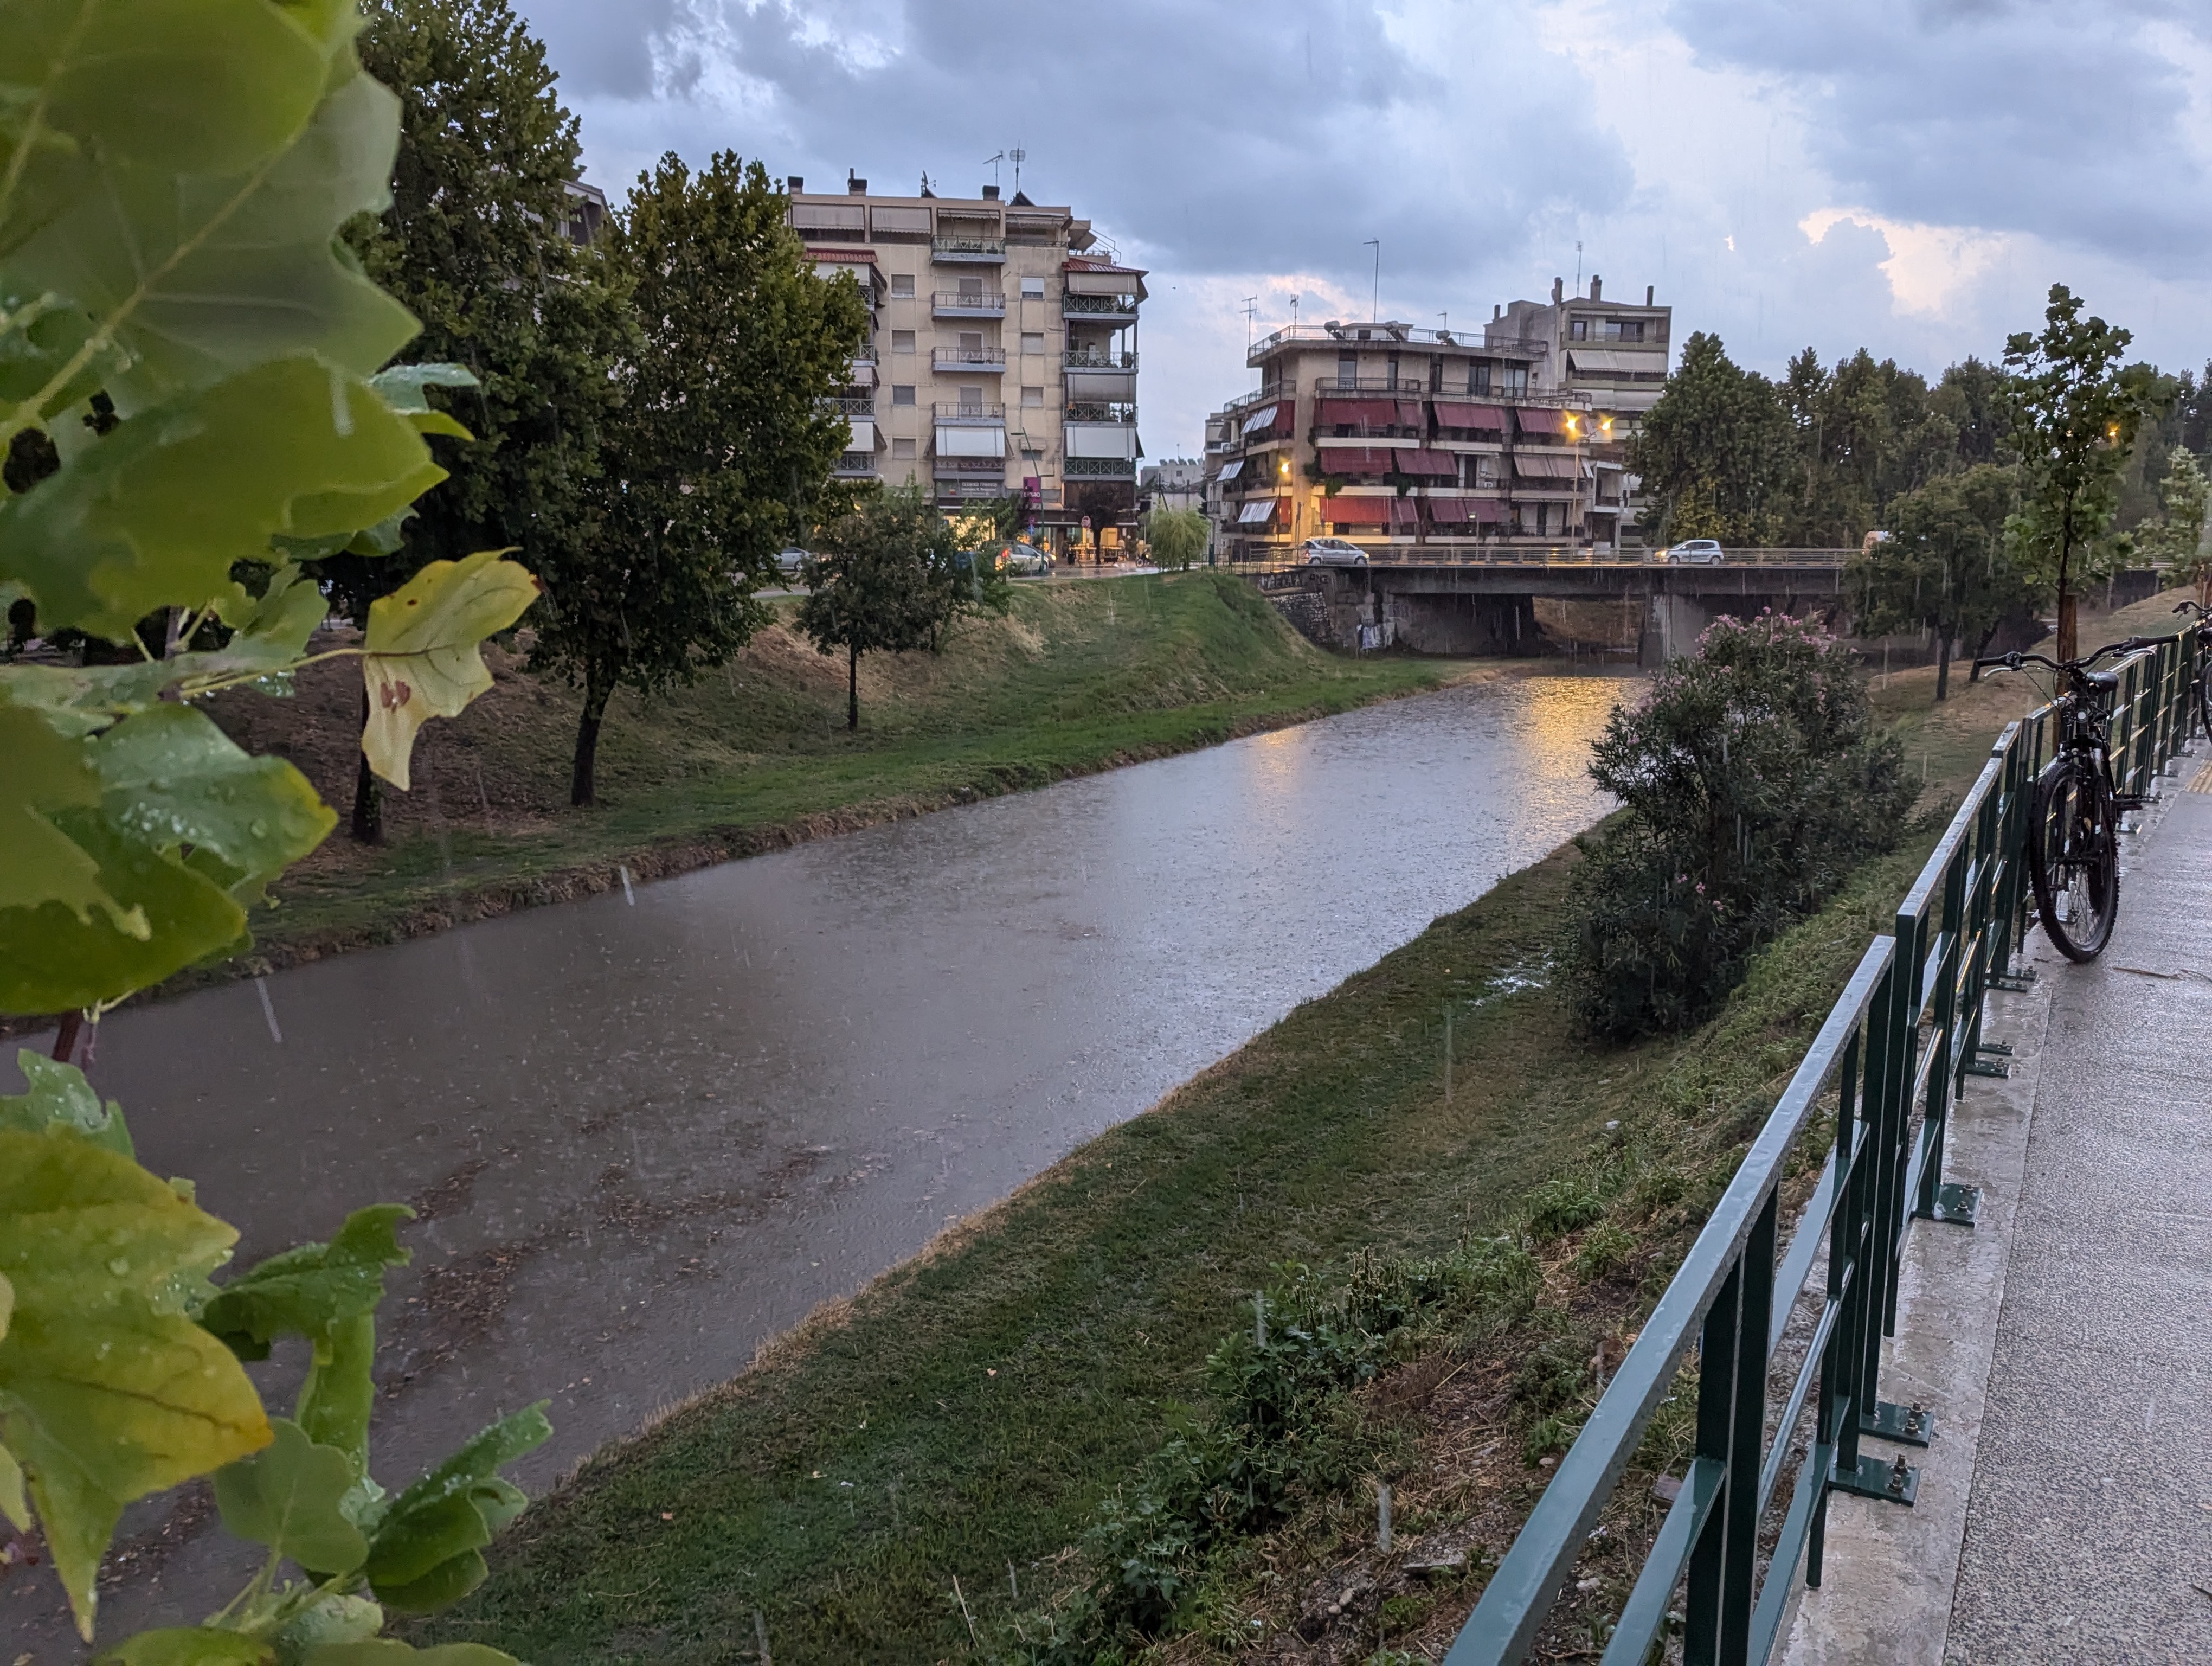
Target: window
(1512, 379)
(1032, 289)
(1393, 370)
(1347, 369)
(1618, 329)
(1032, 341)
(971, 341)
(1478, 376)
(901, 341)
(1032, 396)
(1578, 329)
(971, 398)
(903, 394)
(972, 286)
(903, 284)
(902, 449)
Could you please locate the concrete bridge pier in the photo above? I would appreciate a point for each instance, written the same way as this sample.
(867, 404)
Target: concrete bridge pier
(1474, 625)
(1672, 627)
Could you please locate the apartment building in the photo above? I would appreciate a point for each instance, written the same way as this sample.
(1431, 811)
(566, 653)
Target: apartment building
(1386, 433)
(1002, 356)
(1174, 482)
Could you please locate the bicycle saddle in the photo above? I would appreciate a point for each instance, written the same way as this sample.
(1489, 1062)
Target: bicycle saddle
(2107, 680)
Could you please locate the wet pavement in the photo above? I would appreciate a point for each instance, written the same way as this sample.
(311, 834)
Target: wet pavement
(646, 1133)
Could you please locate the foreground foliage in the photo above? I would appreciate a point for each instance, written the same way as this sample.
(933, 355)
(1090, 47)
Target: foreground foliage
(191, 395)
(1752, 782)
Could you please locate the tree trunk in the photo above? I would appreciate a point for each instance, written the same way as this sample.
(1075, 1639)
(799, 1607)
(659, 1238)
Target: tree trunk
(2068, 635)
(368, 792)
(1980, 648)
(1943, 666)
(853, 689)
(583, 783)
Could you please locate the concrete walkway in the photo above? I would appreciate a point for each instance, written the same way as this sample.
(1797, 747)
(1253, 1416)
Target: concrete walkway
(2065, 1510)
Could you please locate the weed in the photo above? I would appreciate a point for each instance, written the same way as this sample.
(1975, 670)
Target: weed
(1560, 1206)
(1604, 1250)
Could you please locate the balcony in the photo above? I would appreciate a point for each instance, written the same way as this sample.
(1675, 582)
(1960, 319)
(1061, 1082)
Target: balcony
(851, 404)
(964, 361)
(1096, 358)
(1098, 468)
(969, 303)
(1096, 410)
(959, 250)
(1099, 309)
(855, 464)
(965, 412)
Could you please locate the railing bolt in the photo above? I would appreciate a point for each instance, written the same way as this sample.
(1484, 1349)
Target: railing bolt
(1897, 1473)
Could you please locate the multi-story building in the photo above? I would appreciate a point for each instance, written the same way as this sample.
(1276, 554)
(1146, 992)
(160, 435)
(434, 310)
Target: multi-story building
(1002, 354)
(1174, 482)
(1388, 435)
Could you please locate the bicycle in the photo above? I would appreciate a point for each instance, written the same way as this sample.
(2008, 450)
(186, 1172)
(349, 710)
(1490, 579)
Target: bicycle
(2073, 815)
(2204, 662)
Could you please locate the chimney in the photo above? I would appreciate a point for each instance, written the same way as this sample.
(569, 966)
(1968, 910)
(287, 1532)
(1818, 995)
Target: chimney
(1650, 290)
(794, 185)
(1558, 291)
(1497, 312)
(1597, 287)
(856, 184)
(990, 193)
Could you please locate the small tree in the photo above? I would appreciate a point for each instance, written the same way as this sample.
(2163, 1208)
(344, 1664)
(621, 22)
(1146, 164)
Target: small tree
(1945, 567)
(1752, 784)
(1178, 537)
(2176, 541)
(879, 582)
(720, 450)
(2074, 411)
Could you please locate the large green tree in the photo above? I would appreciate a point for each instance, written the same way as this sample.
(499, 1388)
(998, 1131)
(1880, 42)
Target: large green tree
(1945, 567)
(1716, 453)
(720, 450)
(475, 243)
(2176, 540)
(2076, 410)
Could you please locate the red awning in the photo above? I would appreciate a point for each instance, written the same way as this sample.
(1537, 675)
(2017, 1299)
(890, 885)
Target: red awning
(1409, 414)
(1352, 459)
(1435, 463)
(1452, 414)
(1357, 511)
(1367, 413)
(1450, 511)
(1405, 512)
(1536, 420)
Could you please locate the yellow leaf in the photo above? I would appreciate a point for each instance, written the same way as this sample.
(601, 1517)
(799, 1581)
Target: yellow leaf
(422, 661)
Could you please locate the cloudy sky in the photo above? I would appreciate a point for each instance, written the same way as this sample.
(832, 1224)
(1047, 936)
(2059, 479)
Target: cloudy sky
(1908, 175)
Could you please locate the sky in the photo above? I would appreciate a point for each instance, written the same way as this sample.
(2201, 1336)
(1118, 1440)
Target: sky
(1910, 176)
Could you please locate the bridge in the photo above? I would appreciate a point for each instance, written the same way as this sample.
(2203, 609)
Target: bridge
(1953, 1399)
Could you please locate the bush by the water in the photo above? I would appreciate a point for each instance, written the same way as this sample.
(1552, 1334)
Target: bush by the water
(1752, 784)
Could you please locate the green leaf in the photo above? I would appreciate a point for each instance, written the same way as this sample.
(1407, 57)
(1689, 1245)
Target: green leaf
(172, 778)
(199, 274)
(402, 385)
(39, 339)
(60, 1097)
(425, 1554)
(51, 961)
(13, 1503)
(187, 1646)
(48, 772)
(154, 514)
(389, 1651)
(331, 1618)
(285, 615)
(79, 701)
(422, 659)
(286, 1496)
(107, 1391)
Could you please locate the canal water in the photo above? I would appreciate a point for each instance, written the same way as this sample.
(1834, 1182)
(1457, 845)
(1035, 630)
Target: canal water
(646, 1132)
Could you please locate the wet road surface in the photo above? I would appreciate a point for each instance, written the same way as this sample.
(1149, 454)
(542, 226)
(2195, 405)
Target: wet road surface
(645, 1133)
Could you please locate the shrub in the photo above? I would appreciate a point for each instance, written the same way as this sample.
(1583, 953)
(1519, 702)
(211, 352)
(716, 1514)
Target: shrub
(1752, 785)
(1178, 538)
(1606, 1249)
(1560, 1206)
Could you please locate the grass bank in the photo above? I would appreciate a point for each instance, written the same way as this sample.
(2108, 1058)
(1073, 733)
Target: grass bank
(1081, 677)
(912, 1474)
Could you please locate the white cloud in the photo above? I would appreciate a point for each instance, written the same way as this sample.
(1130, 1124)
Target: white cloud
(1929, 267)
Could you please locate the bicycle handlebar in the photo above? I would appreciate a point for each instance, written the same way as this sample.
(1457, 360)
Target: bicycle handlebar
(2015, 660)
(2197, 608)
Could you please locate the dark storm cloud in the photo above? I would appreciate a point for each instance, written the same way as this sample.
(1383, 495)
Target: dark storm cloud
(2052, 116)
(1228, 136)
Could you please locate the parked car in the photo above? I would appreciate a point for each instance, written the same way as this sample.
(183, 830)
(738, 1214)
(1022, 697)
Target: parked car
(1333, 552)
(790, 561)
(1701, 552)
(1024, 560)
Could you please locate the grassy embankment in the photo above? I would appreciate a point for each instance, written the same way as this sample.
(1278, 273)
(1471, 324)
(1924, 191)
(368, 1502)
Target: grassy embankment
(1082, 676)
(963, 1417)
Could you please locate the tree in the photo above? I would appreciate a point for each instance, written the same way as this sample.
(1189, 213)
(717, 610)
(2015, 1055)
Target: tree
(1178, 538)
(1945, 566)
(1971, 398)
(474, 244)
(2074, 412)
(2176, 541)
(1716, 453)
(877, 583)
(719, 450)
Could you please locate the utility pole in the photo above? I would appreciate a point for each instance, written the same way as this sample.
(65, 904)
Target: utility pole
(1251, 312)
(1375, 295)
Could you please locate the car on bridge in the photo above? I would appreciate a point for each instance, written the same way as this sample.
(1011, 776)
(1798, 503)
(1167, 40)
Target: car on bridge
(1333, 552)
(1697, 551)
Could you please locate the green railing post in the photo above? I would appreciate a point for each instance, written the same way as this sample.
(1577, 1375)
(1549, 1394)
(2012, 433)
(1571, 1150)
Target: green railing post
(1748, 1438)
(1716, 1372)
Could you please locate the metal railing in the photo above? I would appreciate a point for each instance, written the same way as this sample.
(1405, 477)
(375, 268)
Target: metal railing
(978, 413)
(968, 358)
(1098, 468)
(970, 302)
(967, 248)
(1100, 410)
(1383, 336)
(1889, 1062)
(1441, 552)
(1099, 306)
(852, 405)
(1096, 358)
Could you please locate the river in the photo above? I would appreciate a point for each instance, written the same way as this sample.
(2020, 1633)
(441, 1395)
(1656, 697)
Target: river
(648, 1131)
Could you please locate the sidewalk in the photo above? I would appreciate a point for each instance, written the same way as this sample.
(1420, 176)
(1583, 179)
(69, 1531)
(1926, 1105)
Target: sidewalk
(2066, 1343)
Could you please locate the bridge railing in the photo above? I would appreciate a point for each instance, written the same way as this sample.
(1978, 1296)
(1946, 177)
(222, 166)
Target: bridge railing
(1435, 552)
(1888, 1063)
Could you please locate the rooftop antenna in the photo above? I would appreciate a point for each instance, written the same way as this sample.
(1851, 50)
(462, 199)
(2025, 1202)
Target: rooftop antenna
(1017, 156)
(1294, 311)
(1445, 328)
(1579, 266)
(1251, 312)
(994, 161)
(1374, 298)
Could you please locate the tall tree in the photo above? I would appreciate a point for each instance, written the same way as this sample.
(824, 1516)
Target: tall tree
(720, 450)
(1945, 567)
(2074, 413)
(1716, 453)
(475, 243)
(2176, 541)
(1971, 398)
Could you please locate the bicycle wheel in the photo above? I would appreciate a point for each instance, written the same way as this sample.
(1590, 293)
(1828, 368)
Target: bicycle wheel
(2074, 857)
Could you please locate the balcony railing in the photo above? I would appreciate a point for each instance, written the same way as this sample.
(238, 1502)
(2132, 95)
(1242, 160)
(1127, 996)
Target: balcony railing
(1287, 389)
(1098, 468)
(1380, 337)
(1101, 410)
(1113, 306)
(968, 248)
(856, 463)
(969, 303)
(1096, 358)
(984, 361)
(852, 405)
(993, 466)
(974, 413)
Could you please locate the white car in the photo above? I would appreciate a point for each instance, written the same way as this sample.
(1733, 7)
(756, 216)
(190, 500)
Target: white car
(1024, 560)
(1699, 552)
(1333, 552)
(789, 561)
